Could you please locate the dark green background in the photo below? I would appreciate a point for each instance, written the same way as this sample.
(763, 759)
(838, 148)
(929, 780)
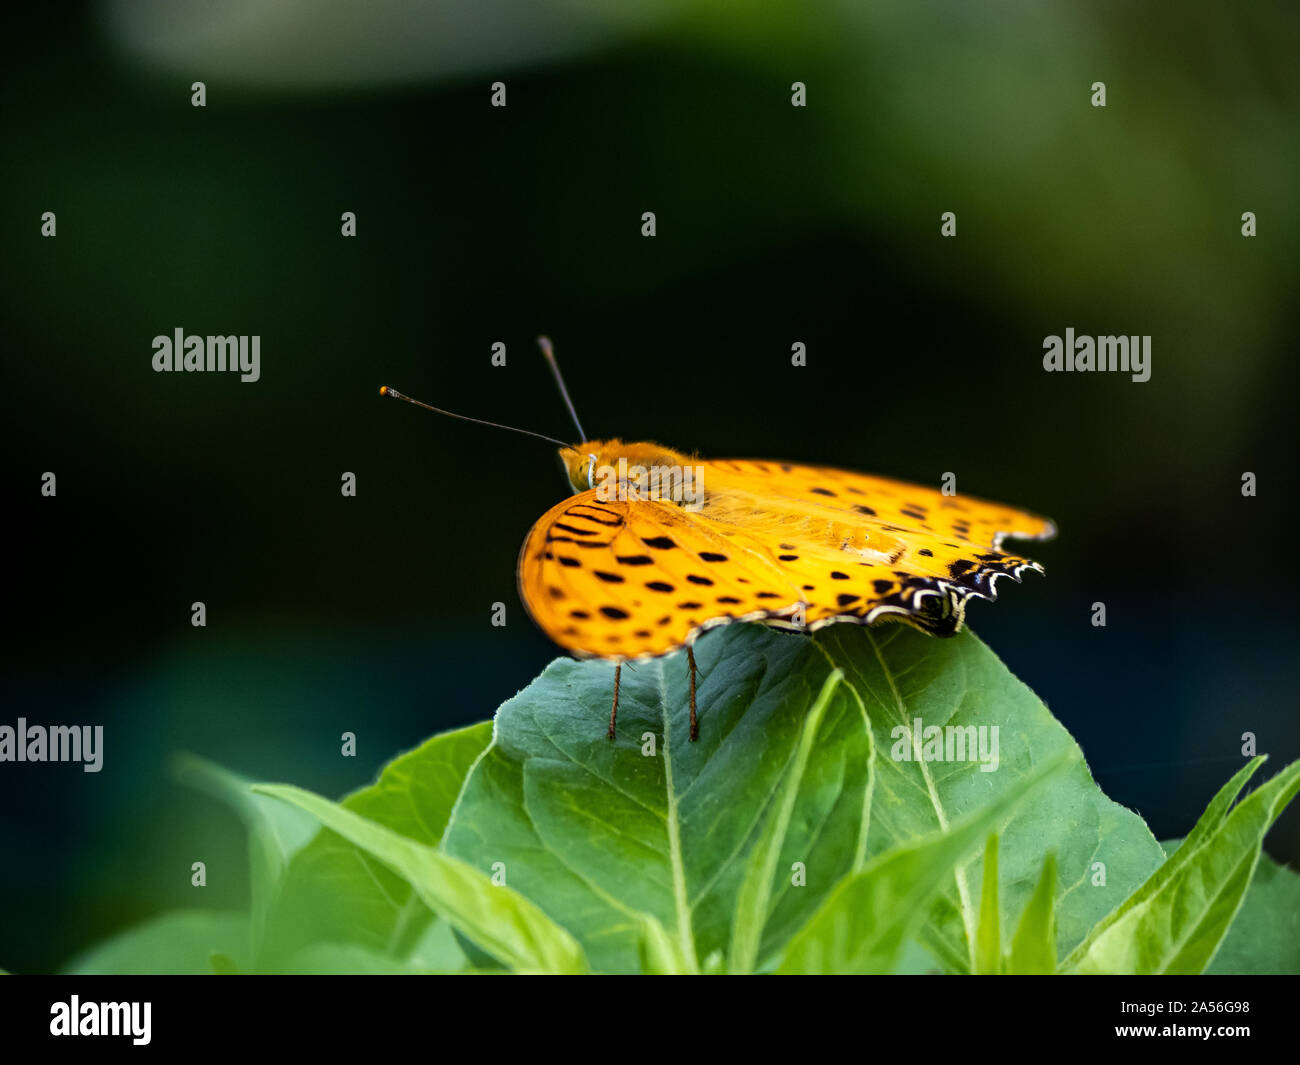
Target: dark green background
(775, 224)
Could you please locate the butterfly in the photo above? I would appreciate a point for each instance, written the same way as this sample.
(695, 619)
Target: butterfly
(655, 547)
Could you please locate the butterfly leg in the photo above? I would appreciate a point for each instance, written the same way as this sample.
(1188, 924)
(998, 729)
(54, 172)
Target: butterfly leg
(695, 726)
(613, 714)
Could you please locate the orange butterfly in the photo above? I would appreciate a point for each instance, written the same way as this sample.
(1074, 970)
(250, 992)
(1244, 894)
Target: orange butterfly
(655, 547)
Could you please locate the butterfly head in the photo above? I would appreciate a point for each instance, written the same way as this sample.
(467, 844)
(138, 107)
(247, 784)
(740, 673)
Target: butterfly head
(579, 464)
(588, 463)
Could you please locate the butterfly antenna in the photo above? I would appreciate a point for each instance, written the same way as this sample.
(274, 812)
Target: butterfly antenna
(386, 391)
(545, 344)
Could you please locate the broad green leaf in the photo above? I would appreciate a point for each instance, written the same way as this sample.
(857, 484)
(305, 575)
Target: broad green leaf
(1265, 936)
(1177, 920)
(756, 888)
(598, 833)
(863, 926)
(335, 891)
(275, 832)
(180, 943)
(988, 939)
(497, 918)
(903, 676)
(1033, 947)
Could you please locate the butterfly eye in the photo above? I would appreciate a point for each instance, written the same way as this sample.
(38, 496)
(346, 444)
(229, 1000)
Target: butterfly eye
(591, 471)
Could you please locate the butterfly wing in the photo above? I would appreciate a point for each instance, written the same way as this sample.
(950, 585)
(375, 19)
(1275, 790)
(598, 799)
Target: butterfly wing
(625, 580)
(863, 548)
(788, 545)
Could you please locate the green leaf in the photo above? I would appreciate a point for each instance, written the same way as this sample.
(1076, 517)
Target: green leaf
(1209, 823)
(415, 793)
(988, 938)
(352, 959)
(661, 953)
(756, 888)
(275, 832)
(1033, 948)
(1265, 937)
(904, 676)
(599, 833)
(180, 943)
(437, 951)
(1175, 922)
(347, 959)
(335, 891)
(863, 926)
(497, 918)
